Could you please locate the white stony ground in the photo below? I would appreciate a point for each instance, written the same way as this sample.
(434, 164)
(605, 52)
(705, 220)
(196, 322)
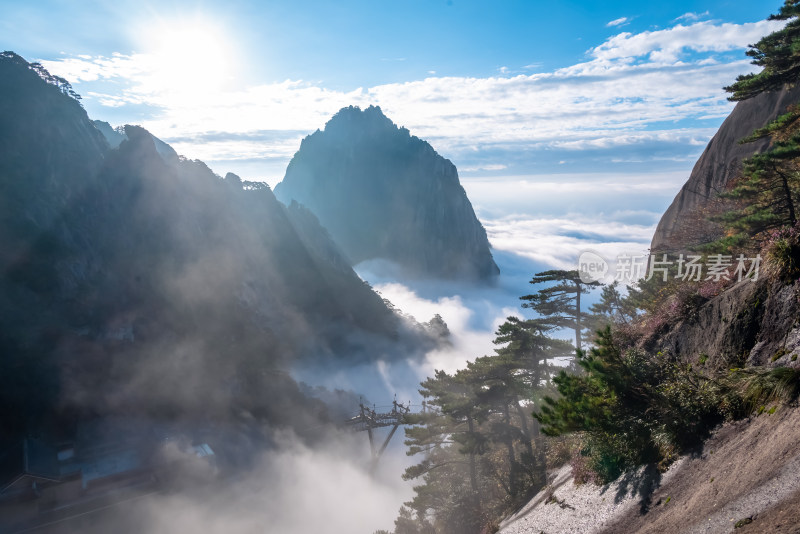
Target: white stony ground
(748, 469)
(563, 507)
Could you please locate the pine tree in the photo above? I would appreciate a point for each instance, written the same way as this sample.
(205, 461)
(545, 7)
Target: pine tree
(559, 305)
(518, 373)
(634, 408)
(613, 308)
(769, 190)
(447, 433)
(609, 401)
(482, 448)
(778, 54)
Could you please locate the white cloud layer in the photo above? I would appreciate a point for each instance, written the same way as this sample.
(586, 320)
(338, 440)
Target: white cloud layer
(293, 489)
(631, 89)
(691, 16)
(559, 241)
(666, 46)
(458, 311)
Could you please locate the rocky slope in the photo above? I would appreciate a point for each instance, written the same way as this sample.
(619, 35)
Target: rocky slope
(752, 323)
(747, 469)
(132, 279)
(720, 162)
(383, 193)
(746, 473)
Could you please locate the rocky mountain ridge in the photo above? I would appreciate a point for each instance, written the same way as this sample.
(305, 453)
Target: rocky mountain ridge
(135, 280)
(385, 194)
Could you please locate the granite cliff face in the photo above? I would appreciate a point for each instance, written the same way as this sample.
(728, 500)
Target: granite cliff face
(749, 324)
(720, 162)
(383, 193)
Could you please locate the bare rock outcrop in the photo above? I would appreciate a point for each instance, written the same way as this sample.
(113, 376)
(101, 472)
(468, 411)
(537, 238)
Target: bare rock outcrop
(385, 194)
(720, 163)
(751, 323)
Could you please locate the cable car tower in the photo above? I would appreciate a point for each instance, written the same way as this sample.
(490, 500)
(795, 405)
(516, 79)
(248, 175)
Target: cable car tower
(369, 419)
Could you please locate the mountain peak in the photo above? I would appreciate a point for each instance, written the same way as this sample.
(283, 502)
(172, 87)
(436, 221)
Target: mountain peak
(385, 194)
(353, 121)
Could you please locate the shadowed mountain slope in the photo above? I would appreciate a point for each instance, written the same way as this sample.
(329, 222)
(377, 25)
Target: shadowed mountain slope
(383, 193)
(133, 280)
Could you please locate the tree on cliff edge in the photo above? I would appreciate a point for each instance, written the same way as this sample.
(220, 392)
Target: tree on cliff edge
(769, 189)
(779, 55)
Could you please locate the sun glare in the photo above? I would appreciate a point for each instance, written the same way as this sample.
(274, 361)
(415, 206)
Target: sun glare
(189, 57)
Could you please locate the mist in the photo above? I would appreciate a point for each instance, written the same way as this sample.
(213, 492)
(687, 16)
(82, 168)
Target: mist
(160, 307)
(293, 488)
(150, 301)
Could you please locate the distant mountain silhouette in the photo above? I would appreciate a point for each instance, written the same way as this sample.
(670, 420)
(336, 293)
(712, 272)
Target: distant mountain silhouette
(135, 280)
(383, 193)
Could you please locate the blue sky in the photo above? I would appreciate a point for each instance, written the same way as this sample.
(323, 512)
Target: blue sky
(572, 123)
(347, 44)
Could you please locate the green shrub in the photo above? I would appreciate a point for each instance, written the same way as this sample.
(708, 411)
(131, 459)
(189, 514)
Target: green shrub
(782, 253)
(779, 354)
(634, 409)
(758, 387)
(728, 244)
